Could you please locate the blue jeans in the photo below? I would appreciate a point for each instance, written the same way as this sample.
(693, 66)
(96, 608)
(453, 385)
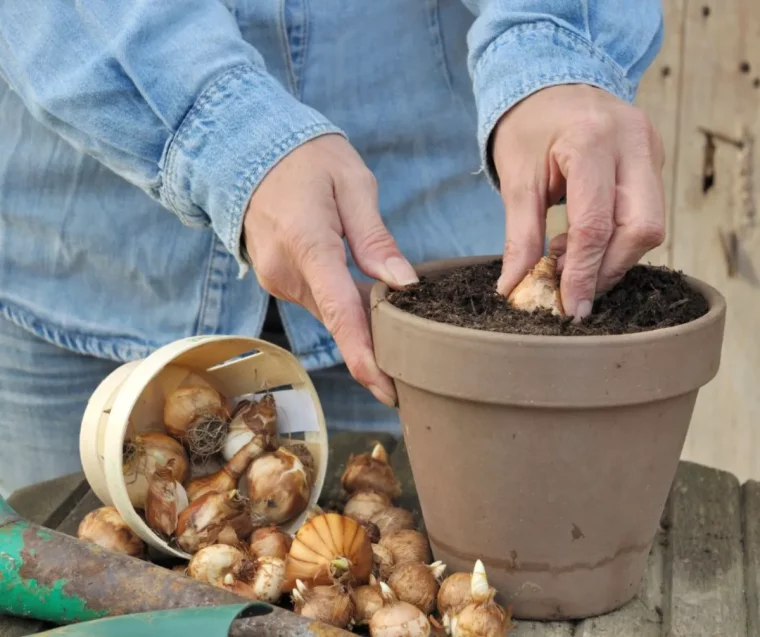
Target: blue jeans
(44, 390)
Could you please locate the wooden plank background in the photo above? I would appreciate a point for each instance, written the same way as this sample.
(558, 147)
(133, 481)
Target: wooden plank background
(707, 78)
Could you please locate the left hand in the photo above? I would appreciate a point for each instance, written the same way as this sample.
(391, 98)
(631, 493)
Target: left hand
(606, 158)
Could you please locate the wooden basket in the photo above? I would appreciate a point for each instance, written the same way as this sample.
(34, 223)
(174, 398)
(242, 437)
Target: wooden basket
(130, 401)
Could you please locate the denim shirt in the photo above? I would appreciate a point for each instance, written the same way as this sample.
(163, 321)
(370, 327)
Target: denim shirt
(133, 133)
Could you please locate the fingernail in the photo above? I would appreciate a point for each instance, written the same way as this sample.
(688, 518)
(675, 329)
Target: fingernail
(582, 310)
(401, 272)
(384, 398)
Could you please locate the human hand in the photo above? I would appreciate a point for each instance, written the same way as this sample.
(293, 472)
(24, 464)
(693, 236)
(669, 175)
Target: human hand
(605, 157)
(294, 229)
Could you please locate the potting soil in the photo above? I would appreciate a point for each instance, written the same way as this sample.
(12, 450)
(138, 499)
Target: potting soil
(647, 298)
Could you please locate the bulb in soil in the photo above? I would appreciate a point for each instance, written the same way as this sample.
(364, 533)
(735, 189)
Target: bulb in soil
(407, 546)
(331, 605)
(393, 519)
(417, 583)
(453, 596)
(382, 562)
(106, 528)
(397, 618)
(362, 505)
(253, 422)
(278, 486)
(270, 541)
(200, 524)
(483, 617)
(228, 476)
(368, 599)
(230, 568)
(371, 472)
(329, 548)
(539, 290)
(199, 417)
(143, 455)
(166, 500)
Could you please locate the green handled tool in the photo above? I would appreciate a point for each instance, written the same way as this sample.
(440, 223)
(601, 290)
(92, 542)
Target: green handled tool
(50, 576)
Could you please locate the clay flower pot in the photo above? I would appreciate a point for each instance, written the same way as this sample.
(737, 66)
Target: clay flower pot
(548, 457)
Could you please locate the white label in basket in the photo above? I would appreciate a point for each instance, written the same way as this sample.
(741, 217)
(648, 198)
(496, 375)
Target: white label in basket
(295, 410)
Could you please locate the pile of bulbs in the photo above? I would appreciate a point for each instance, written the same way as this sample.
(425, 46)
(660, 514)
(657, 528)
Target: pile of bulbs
(367, 566)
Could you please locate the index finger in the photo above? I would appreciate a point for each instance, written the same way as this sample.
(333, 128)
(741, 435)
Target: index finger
(590, 215)
(340, 307)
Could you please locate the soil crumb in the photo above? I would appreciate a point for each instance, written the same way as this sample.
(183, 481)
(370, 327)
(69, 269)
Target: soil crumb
(648, 298)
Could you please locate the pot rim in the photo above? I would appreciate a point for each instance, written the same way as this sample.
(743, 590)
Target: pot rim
(715, 300)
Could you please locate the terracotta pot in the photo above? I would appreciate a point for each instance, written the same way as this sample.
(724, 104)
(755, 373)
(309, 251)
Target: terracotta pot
(550, 458)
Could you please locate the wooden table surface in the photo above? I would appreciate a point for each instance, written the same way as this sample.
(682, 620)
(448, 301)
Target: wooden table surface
(704, 569)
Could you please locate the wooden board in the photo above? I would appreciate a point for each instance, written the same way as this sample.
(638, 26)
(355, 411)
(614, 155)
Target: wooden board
(721, 92)
(706, 555)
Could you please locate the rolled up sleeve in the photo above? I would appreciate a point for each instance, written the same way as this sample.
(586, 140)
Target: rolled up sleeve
(168, 95)
(519, 47)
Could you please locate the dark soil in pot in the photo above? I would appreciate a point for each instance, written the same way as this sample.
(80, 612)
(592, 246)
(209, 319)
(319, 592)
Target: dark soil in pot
(647, 298)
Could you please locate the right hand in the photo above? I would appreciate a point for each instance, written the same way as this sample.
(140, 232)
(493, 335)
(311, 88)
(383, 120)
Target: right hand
(294, 228)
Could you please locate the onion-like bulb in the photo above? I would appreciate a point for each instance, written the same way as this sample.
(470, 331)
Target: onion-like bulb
(393, 519)
(252, 421)
(483, 617)
(228, 476)
(397, 618)
(270, 541)
(143, 455)
(368, 599)
(331, 605)
(453, 596)
(303, 453)
(106, 528)
(407, 546)
(329, 548)
(371, 472)
(203, 520)
(383, 563)
(362, 505)
(166, 500)
(373, 533)
(199, 417)
(539, 290)
(417, 583)
(230, 568)
(278, 486)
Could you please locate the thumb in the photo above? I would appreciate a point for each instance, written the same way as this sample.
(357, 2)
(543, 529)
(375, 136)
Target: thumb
(372, 246)
(526, 231)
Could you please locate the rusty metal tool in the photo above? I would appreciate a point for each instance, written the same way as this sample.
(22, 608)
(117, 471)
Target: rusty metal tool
(53, 577)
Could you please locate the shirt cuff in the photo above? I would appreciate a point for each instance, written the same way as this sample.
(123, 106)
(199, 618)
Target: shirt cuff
(239, 128)
(528, 58)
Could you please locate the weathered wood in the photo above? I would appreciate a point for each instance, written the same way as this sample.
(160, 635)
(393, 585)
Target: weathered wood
(48, 502)
(542, 629)
(70, 523)
(721, 93)
(704, 558)
(343, 444)
(642, 616)
(658, 98)
(751, 528)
